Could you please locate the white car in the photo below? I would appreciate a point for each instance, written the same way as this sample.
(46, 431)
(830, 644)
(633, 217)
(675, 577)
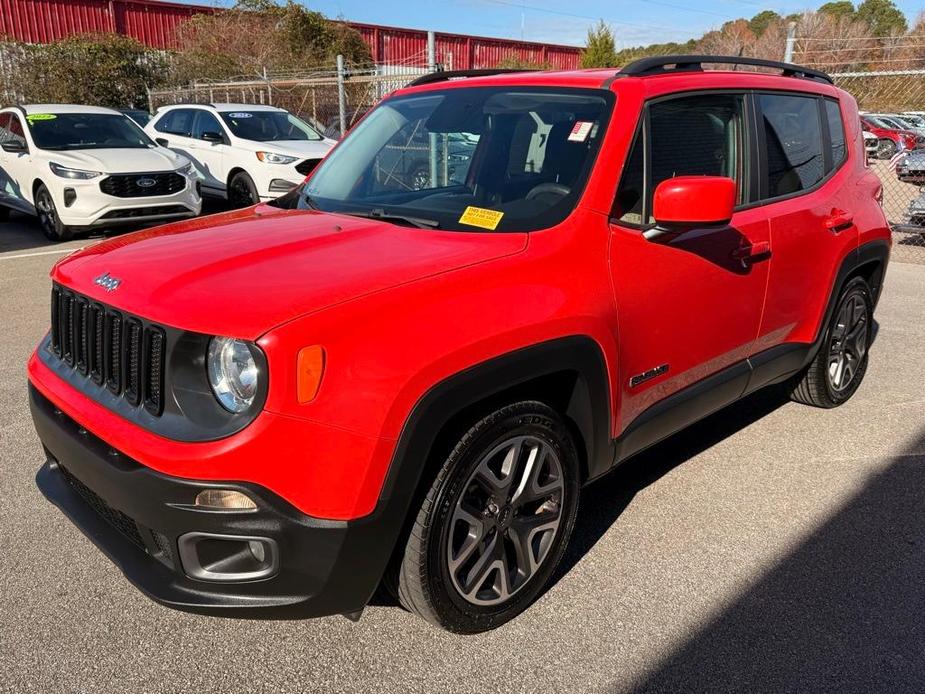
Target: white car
(244, 153)
(871, 145)
(82, 167)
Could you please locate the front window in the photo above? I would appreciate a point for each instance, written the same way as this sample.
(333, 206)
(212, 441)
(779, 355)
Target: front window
(467, 159)
(65, 131)
(268, 126)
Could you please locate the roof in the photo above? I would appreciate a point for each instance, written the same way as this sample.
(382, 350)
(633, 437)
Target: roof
(223, 108)
(67, 108)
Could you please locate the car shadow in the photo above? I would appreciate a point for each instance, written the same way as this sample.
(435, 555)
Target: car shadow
(844, 611)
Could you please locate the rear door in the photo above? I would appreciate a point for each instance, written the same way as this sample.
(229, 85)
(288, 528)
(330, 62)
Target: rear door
(689, 306)
(806, 192)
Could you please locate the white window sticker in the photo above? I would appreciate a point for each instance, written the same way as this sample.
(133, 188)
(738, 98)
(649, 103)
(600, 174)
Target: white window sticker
(580, 131)
(240, 115)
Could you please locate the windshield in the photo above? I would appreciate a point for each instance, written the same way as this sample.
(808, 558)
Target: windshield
(467, 159)
(268, 126)
(64, 131)
(916, 121)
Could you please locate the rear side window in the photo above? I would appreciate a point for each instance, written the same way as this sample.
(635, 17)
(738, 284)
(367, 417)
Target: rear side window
(177, 122)
(793, 141)
(836, 133)
(702, 135)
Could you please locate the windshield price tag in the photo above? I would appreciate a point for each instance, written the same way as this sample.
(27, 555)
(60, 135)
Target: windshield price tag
(580, 131)
(480, 217)
(240, 115)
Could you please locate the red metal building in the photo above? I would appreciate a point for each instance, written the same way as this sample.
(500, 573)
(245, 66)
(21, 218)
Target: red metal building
(154, 22)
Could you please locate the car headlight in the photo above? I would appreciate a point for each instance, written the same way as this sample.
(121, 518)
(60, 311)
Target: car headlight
(188, 170)
(233, 373)
(73, 174)
(274, 158)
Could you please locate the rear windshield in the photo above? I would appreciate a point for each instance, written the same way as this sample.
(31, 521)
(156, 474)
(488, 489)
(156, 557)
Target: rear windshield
(467, 159)
(268, 126)
(64, 131)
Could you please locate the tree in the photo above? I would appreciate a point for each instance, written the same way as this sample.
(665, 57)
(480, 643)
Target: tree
(761, 21)
(601, 50)
(512, 62)
(883, 17)
(838, 9)
(94, 69)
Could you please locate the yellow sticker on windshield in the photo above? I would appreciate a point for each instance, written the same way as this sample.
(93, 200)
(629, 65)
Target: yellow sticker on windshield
(480, 217)
(40, 116)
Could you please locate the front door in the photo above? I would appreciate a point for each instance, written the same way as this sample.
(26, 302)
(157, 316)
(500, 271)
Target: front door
(209, 154)
(689, 306)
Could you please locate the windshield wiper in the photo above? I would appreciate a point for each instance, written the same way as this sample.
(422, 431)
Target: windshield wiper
(381, 214)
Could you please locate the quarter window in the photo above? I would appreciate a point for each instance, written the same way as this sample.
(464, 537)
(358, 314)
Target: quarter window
(700, 135)
(836, 133)
(793, 141)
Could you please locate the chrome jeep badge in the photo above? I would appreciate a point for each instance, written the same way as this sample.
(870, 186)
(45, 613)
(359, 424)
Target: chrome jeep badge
(107, 282)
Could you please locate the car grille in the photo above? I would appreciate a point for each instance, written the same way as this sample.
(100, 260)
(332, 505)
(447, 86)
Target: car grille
(127, 186)
(110, 348)
(114, 517)
(307, 166)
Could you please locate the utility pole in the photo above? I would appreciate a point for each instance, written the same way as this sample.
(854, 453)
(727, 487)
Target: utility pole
(341, 95)
(432, 67)
(791, 40)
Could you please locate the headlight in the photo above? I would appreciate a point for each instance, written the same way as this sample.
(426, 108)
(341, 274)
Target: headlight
(188, 170)
(273, 158)
(73, 174)
(233, 373)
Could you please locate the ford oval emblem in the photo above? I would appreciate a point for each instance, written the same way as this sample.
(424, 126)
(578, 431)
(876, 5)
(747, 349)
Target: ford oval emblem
(146, 182)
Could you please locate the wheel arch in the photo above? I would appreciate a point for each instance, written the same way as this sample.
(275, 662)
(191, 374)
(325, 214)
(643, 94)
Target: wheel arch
(234, 172)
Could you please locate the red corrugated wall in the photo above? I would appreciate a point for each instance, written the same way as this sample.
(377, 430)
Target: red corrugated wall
(153, 23)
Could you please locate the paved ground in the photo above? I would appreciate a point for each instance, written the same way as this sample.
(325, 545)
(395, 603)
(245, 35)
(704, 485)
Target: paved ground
(772, 547)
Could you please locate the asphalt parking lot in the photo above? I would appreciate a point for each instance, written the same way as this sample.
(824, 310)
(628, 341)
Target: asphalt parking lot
(772, 547)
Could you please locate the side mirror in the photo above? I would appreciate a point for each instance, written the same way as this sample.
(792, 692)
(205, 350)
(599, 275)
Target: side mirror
(162, 141)
(213, 137)
(14, 147)
(687, 202)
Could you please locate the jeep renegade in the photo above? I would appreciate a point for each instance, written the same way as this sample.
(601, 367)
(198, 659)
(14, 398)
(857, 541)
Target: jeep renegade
(272, 411)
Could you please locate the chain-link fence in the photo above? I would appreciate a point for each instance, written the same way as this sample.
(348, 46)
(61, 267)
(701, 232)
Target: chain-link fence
(893, 115)
(325, 97)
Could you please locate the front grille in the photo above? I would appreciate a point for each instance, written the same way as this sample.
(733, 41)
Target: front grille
(120, 352)
(133, 185)
(307, 166)
(114, 517)
(135, 212)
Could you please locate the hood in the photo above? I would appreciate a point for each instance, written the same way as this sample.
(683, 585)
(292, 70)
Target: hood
(114, 161)
(314, 149)
(242, 273)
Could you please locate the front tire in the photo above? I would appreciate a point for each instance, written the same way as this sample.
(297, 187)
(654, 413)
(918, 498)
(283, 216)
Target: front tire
(886, 149)
(49, 220)
(836, 372)
(241, 191)
(495, 522)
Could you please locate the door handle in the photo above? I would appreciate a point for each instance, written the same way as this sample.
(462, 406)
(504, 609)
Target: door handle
(839, 221)
(752, 253)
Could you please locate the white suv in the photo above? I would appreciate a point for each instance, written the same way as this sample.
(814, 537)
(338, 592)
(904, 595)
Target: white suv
(83, 167)
(243, 152)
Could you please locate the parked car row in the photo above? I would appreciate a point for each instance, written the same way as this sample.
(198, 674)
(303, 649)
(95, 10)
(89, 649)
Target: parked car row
(894, 132)
(78, 168)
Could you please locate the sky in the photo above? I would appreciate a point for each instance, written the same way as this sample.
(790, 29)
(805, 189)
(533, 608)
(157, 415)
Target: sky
(635, 22)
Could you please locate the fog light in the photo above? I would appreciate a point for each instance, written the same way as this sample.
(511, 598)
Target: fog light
(258, 550)
(225, 500)
(70, 195)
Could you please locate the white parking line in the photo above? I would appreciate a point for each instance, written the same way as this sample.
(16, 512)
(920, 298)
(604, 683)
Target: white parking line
(32, 255)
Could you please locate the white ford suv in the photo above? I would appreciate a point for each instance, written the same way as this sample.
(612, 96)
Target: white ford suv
(83, 167)
(244, 153)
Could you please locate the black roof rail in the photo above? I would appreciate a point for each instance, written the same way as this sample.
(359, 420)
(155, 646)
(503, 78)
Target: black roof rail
(662, 64)
(446, 75)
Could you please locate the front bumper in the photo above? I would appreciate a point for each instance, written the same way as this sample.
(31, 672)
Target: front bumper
(135, 515)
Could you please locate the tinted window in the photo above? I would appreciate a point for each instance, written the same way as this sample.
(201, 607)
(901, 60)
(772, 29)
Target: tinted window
(793, 137)
(177, 122)
(699, 135)
(268, 126)
(206, 123)
(64, 131)
(836, 132)
(11, 129)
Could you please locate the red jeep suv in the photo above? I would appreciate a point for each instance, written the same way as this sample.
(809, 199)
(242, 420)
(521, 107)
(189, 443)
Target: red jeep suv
(273, 411)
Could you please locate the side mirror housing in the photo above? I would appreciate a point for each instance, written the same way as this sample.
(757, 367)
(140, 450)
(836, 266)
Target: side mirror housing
(687, 202)
(14, 147)
(213, 137)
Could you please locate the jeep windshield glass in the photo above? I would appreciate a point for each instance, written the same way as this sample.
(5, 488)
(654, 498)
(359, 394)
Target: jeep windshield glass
(64, 131)
(268, 126)
(470, 158)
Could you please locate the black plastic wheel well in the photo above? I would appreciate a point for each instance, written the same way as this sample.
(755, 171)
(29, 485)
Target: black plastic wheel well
(872, 273)
(234, 172)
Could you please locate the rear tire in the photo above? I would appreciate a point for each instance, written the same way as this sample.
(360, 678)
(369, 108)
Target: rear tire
(837, 370)
(886, 149)
(495, 522)
(49, 220)
(241, 191)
